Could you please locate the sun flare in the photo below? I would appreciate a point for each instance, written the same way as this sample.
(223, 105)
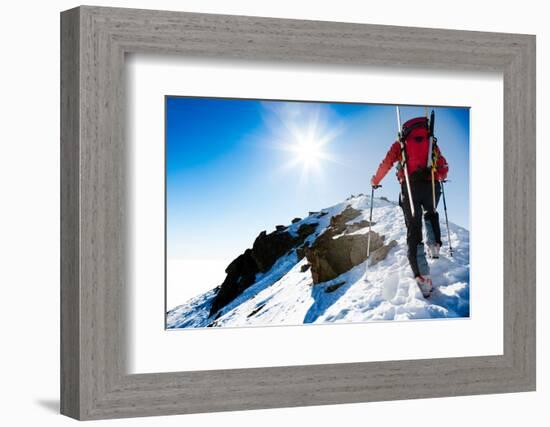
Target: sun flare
(306, 137)
(307, 150)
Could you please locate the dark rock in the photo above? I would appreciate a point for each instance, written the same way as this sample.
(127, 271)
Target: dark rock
(305, 230)
(215, 322)
(358, 248)
(305, 268)
(329, 256)
(346, 215)
(301, 252)
(333, 287)
(241, 273)
(338, 222)
(381, 253)
(310, 213)
(268, 248)
(243, 265)
(295, 220)
(255, 311)
(322, 214)
(357, 226)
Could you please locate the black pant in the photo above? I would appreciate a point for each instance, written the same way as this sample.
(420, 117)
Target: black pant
(422, 201)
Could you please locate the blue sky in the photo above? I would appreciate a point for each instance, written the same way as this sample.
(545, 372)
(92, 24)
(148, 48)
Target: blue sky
(237, 167)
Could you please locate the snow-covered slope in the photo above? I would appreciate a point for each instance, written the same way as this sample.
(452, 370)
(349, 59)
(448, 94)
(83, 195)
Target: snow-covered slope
(286, 295)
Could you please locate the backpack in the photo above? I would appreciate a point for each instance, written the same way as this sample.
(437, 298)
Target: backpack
(415, 134)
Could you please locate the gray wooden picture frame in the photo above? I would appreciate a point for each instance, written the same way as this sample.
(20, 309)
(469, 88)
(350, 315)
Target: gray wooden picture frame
(94, 381)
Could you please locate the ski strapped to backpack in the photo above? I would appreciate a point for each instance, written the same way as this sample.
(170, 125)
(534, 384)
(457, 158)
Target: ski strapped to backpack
(432, 152)
(404, 159)
(433, 158)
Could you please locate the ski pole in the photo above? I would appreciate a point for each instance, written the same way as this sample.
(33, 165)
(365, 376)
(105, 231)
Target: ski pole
(446, 217)
(374, 187)
(404, 160)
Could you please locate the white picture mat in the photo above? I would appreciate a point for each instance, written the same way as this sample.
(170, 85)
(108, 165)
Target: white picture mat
(152, 349)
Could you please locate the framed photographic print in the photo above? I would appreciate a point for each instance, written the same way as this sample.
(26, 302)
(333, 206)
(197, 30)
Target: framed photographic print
(282, 213)
(240, 171)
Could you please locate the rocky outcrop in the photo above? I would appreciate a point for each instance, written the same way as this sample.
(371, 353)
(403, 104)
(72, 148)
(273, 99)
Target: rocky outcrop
(266, 250)
(329, 257)
(358, 226)
(334, 287)
(336, 251)
(305, 230)
(381, 253)
(301, 252)
(332, 253)
(241, 273)
(338, 222)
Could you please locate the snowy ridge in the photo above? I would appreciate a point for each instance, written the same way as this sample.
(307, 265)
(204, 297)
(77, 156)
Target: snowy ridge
(286, 295)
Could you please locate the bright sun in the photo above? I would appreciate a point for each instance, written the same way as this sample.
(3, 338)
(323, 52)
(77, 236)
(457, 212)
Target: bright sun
(307, 147)
(307, 150)
(305, 134)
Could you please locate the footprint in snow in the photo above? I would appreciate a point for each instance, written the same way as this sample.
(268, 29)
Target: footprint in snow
(390, 286)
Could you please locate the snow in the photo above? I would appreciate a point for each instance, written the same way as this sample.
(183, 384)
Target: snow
(385, 291)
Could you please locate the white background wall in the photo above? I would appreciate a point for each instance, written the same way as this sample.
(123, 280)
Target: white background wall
(29, 211)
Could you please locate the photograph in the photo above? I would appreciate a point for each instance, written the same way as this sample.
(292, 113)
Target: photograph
(283, 212)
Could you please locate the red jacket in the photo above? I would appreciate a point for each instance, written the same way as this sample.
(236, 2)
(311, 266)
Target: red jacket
(417, 158)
